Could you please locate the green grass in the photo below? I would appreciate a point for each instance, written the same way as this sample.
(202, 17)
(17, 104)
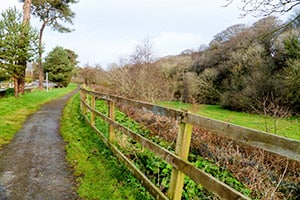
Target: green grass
(287, 127)
(99, 174)
(13, 112)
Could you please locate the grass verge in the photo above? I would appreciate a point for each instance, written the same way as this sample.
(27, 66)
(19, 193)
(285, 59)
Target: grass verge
(287, 127)
(99, 174)
(14, 111)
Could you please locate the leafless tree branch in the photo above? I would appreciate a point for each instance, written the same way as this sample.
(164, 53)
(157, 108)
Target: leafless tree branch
(259, 8)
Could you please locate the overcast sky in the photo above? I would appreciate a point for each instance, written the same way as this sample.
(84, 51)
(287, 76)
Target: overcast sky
(106, 30)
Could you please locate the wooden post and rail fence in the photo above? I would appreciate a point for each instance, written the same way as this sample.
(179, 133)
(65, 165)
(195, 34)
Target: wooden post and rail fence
(288, 148)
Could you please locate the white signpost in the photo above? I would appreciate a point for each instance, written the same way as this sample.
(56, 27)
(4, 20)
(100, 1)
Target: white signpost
(47, 83)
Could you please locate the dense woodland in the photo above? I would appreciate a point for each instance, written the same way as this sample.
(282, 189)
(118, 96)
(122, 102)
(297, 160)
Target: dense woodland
(245, 68)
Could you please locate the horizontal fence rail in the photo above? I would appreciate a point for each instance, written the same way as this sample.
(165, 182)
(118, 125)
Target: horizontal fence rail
(282, 146)
(273, 143)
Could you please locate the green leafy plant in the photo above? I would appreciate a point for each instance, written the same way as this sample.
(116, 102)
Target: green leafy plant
(157, 170)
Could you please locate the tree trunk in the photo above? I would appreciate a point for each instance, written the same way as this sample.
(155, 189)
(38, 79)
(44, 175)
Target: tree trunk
(41, 70)
(21, 81)
(26, 11)
(16, 87)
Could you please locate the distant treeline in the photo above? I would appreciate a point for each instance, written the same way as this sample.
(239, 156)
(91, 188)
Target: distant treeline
(245, 68)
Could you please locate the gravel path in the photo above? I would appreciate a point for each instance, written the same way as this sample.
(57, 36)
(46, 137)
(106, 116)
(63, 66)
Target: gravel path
(33, 165)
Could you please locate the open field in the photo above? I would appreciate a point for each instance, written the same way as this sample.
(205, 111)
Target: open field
(287, 127)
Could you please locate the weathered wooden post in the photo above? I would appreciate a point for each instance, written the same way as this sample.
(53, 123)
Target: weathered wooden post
(111, 111)
(183, 142)
(93, 107)
(83, 97)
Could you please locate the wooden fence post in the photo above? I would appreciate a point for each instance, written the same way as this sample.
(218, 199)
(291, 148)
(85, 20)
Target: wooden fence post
(111, 111)
(81, 97)
(183, 142)
(84, 109)
(93, 107)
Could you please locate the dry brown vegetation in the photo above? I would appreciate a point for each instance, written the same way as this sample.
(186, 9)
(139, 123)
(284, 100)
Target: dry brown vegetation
(269, 176)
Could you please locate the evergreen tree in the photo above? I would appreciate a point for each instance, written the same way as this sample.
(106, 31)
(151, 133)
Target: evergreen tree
(17, 45)
(59, 65)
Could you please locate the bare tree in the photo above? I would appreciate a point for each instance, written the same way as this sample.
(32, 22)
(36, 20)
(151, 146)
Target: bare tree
(230, 32)
(92, 75)
(143, 53)
(266, 7)
(139, 76)
(272, 111)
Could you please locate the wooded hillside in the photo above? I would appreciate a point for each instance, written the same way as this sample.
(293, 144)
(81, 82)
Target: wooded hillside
(245, 68)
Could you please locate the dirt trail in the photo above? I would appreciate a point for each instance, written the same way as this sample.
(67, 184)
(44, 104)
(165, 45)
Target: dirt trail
(33, 165)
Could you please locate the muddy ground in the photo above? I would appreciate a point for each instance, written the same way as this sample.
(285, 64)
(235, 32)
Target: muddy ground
(33, 165)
